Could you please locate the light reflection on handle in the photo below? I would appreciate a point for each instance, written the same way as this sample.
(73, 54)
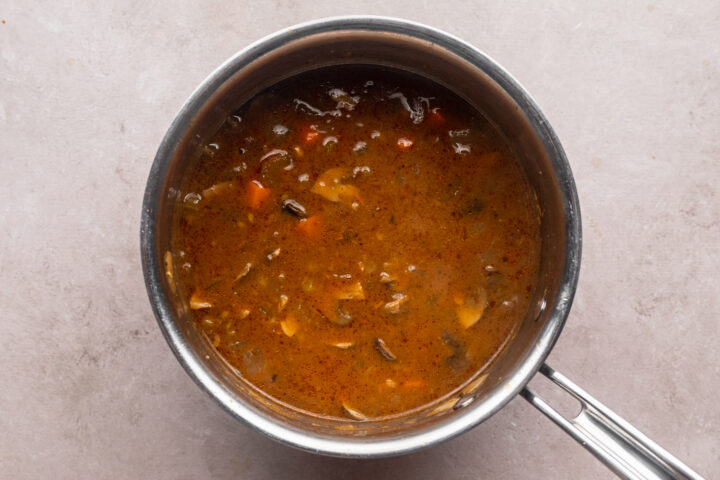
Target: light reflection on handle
(619, 445)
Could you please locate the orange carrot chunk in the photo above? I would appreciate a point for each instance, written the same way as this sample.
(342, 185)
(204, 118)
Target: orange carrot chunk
(258, 196)
(436, 117)
(413, 383)
(311, 136)
(310, 227)
(404, 143)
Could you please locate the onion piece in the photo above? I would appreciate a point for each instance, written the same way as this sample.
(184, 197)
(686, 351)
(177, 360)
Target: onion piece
(217, 189)
(289, 326)
(197, 303)
(354, 291)
(395, 305)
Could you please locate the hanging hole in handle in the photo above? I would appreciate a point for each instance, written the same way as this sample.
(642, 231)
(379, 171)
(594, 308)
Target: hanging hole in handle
(562, 401)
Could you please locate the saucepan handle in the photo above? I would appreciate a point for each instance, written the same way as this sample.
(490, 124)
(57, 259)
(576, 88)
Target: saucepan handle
(615, 442)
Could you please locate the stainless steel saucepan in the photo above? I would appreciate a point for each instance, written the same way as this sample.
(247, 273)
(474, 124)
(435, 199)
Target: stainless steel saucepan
(484, 84)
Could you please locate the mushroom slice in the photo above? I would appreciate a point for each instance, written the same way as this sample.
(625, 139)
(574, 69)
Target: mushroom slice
(351, 412)
(387, 278)
(333, 313)
(394, 305)
(331, 308)
(470, 312)
(343, 317)
(294, 207)
(244, 271)
(458, 358)
(382, 347)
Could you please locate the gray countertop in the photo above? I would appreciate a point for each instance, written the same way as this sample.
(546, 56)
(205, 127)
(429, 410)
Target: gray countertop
(89, 388)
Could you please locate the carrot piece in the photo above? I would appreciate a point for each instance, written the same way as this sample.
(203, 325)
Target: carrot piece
(311, 136)
(310, 227)
(436, 117)
(413, 383)
(258, 196)
(404, 143)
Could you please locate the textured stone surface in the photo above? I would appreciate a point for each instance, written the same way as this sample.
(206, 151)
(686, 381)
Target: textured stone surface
(87, 89)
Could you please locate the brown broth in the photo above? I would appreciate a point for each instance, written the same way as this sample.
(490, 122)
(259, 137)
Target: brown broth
(388, 257)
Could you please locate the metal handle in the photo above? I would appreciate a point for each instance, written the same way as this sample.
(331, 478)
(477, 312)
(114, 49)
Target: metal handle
(616, 443)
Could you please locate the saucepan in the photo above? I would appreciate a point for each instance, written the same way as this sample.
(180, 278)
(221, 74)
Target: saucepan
(489, 88)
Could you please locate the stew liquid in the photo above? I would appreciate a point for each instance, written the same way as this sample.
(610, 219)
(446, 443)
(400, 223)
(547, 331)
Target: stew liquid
(357, 242)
